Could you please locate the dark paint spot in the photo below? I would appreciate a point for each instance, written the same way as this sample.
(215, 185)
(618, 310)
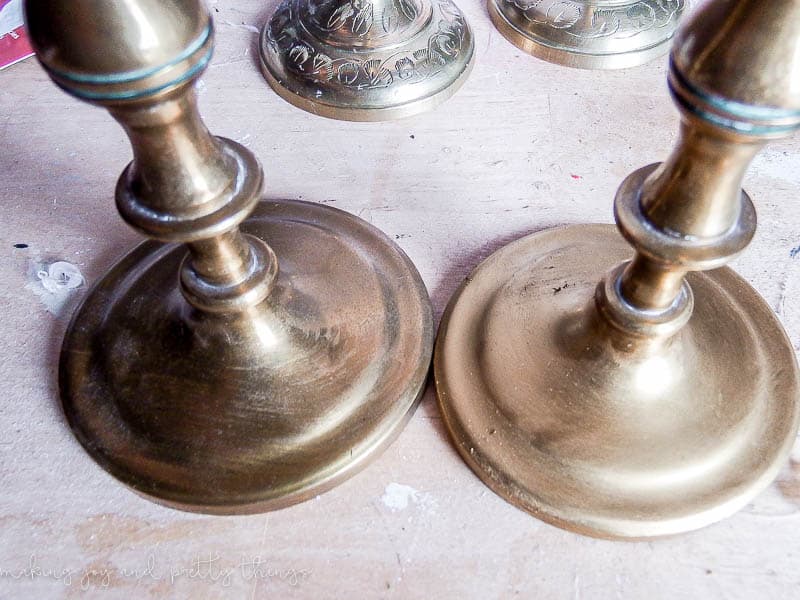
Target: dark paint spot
(559, 288)
(20, 246)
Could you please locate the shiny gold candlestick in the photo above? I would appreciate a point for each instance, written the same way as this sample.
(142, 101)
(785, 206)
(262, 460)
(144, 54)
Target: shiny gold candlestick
(666, 397)
(589, 34)
(211, 375)
(366, 60)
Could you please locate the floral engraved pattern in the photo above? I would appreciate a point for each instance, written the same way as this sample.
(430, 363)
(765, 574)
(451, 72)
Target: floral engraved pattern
(365, 71)
(359, 16)
(622, 21)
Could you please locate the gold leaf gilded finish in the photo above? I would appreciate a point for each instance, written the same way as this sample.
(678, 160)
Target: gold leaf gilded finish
(664, 397)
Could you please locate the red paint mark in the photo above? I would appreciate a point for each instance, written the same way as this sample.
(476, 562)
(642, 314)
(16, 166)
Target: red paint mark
(575, 176)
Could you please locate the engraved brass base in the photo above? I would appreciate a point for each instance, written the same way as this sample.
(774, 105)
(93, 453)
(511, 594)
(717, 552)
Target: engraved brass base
(370, 60)
(598, 34)
(602, 437)
(253, 411)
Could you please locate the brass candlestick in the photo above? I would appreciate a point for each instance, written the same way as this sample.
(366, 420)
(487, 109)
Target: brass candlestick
(589, 34)
(213, 376)
(662, 399)
(366, 60)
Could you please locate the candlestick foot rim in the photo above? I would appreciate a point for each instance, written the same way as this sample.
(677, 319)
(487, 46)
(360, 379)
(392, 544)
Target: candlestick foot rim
(564, 418)
(589, 35)
(251, 411)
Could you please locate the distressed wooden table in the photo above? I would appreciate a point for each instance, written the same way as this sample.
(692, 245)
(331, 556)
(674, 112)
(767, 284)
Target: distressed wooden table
(523, 146)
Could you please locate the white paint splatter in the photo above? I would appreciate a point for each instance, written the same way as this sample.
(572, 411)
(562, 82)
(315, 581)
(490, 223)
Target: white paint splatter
(55, 283)
(795, 455)
(397, 497)
(59, 276)
(245, 26)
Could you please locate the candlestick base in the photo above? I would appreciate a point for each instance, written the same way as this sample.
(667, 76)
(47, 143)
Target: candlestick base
(256, 410)
(602, 433)
(366, 61)
(589, 34)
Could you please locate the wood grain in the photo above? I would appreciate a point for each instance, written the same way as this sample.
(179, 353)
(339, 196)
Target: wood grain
(523, 146)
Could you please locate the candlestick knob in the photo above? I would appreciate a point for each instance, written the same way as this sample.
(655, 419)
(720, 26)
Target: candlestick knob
(666, 397)
(201, 374)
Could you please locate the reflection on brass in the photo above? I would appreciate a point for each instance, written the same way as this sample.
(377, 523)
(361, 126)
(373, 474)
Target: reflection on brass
(589, 34)
(210, 375)
(665, 397)
(366, 60)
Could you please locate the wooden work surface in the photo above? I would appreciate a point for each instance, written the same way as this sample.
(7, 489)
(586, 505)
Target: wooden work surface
(523, 146)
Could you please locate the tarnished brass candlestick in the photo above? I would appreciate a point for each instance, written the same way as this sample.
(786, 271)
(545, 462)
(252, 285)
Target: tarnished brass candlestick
(213, 376)
(590, 34)
(366, 60)
(662, 399)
